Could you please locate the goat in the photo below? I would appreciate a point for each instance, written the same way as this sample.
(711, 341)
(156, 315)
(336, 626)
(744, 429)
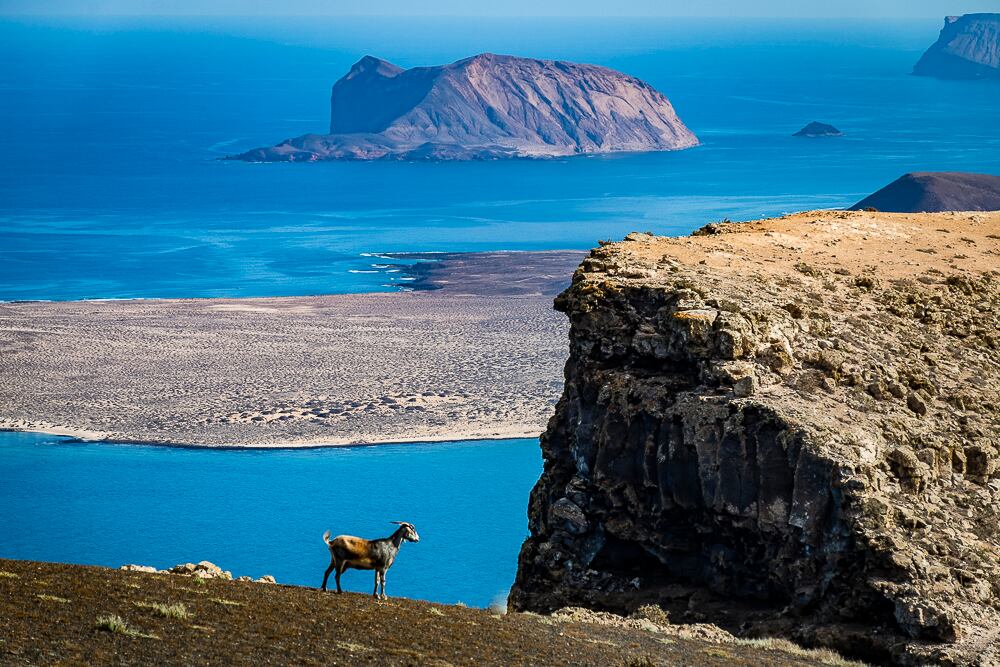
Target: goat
(347, 551)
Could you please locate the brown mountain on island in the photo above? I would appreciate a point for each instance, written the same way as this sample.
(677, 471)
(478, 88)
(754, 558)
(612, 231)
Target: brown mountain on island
(967, 48)
(929, 191)
(484, 107)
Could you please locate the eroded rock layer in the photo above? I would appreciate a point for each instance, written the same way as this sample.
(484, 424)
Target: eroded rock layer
(784, 427)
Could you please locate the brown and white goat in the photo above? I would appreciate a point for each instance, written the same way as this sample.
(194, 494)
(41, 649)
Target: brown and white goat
(347, 551)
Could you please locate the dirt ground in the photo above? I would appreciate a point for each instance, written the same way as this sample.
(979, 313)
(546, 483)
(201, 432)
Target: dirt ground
(49, 615)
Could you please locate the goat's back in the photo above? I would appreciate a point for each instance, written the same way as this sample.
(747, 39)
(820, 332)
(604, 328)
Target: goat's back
(355, 551)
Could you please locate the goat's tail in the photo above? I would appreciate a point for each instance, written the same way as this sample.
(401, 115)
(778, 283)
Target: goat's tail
(326, 537)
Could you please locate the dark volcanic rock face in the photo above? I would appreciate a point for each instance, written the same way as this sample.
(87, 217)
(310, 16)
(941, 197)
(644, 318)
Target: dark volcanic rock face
(818, 129)
(936, 191)
(968, 48)
(756, 435)
(485, 107)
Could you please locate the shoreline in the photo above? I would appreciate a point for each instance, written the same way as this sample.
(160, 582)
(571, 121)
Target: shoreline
(423, 275)
(77, 436)
(477, 357)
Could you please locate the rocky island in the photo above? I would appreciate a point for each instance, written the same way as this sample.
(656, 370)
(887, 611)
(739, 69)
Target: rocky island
(818, 129)
(936, 191)
(784, 427)
(485, 107)
(967, 48)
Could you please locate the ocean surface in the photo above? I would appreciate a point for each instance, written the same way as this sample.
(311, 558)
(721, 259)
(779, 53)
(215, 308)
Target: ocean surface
(110, 130)
(111, 187)
(259, 512)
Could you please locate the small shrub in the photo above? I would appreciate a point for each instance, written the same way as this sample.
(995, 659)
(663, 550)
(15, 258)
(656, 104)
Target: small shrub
(4, 574)
(653, 613)
(639, 661)
(176, 610)
(51, 598)
(112, 623)
(231, 603)
(819, 656)
(116, 625)
(718, 653)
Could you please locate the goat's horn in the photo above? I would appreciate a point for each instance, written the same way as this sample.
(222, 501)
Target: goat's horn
(398, 523)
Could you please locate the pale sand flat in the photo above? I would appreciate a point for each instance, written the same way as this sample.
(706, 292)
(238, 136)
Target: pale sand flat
(332, 370)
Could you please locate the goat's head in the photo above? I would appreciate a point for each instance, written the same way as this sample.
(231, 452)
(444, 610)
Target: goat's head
(409, 532)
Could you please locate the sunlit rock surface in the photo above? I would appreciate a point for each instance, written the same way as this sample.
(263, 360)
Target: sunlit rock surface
(485, 107)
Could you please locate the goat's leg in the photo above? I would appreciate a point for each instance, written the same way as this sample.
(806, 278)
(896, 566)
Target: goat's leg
(378, 576)
(384, 596)
(340, 570)
(326, 575)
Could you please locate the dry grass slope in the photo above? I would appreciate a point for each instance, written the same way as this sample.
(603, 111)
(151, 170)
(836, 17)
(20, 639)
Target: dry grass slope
(107, 619)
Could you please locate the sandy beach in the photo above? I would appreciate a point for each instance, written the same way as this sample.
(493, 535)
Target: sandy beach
(466, 361)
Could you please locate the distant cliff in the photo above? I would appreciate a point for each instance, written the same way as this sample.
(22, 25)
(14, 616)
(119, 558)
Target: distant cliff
(967, 48)
(936, 191)
(488, 106)
(786, 426)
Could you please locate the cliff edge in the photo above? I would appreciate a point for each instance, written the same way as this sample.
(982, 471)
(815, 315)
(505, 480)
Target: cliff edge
(967, 48)
(485, 107)
(786, 427)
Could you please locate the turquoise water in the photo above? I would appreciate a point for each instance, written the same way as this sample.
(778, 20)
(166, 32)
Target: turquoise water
(109, 186)
(259, 512)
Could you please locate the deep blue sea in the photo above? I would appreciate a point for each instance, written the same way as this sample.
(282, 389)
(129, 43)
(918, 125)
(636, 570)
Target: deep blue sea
(110, 187)
(259, 512)
(110, 130)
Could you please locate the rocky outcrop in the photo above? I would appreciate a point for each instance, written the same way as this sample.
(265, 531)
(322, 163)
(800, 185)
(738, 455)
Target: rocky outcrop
(818, 129)
(936, 191)
(484, 107)
(785, 427)
(967, 48)
(200, 570)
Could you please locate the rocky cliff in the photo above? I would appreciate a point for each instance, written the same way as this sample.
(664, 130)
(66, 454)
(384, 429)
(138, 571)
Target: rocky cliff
(967, 48)
(936, 191)
(784, 427)
(488, 106)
